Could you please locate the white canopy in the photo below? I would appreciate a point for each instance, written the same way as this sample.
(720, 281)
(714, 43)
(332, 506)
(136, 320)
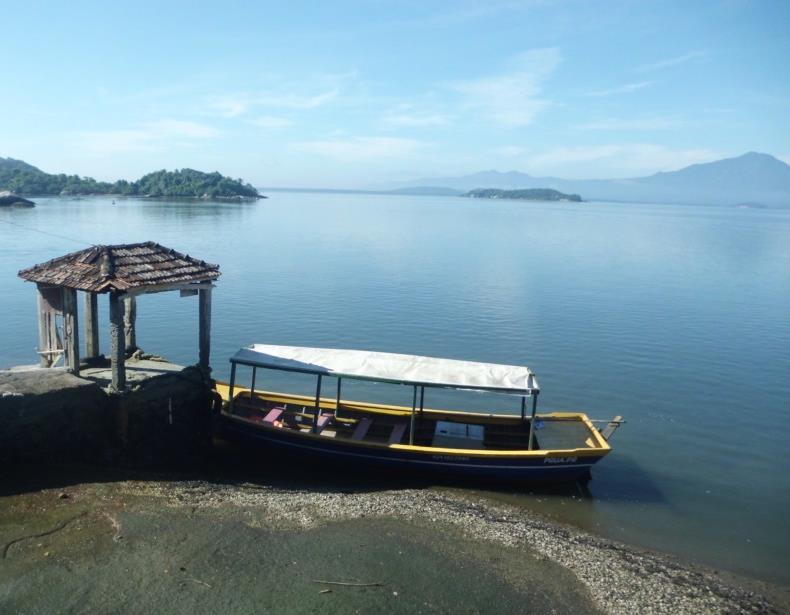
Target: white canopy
(391, 367)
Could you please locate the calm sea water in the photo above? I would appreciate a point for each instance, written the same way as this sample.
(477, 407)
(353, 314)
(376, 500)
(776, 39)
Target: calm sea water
(676, 317)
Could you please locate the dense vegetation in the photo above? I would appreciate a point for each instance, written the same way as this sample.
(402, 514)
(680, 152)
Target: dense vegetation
(532, 194)
(22, 178)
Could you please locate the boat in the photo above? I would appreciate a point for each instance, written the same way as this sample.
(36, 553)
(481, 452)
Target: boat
(521, 446)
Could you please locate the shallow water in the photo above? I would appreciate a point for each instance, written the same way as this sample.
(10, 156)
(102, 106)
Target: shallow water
(674, 316)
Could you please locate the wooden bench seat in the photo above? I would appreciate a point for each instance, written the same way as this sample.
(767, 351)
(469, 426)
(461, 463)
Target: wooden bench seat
(397, 433)
(362, 429)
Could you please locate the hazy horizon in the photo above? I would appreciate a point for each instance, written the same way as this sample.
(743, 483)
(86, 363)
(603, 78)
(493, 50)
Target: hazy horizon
(358, 94)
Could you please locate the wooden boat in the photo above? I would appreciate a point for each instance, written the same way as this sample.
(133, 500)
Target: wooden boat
(523, 447)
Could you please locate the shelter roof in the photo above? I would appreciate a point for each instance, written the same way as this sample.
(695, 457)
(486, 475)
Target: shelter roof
(123, 267)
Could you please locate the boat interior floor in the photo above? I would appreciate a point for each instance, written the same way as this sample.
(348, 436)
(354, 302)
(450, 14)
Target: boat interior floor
(430, 430)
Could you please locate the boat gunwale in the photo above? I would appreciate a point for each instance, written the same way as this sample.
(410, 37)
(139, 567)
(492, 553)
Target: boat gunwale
(601, 450)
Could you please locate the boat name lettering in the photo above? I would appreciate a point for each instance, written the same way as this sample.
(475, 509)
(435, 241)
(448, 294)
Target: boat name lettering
(560, 459)
(449, 458)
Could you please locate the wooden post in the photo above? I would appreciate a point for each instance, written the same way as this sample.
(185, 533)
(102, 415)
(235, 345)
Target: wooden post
(204, 312)
(129, 318)
(43, 331)
(71, 330)
(117, 342)
(91, 325)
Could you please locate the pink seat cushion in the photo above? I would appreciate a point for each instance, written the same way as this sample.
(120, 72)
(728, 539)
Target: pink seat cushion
(273, 415)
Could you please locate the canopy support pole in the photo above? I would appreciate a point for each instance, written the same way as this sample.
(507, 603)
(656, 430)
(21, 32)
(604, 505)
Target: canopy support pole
(532, 420)
(337, 400)
(413, 414)
(252, 386)
(317, 411)
(523, 408)
(232, 383)
(422, 398)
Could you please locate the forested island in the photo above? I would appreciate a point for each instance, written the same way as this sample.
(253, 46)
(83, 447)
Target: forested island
(532, 194)
(23, 178)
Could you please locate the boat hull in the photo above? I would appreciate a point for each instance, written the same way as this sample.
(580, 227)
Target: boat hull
(521, 469)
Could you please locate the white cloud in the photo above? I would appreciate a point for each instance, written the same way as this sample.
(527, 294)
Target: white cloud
(364, 149)
(231, 106)
(513, 98)
(236, 105)
(511, 151)
(271, 122)
(648, 123)
(416, 120)
(295, 101)
(666, 63)
(461, 12)
(621, 159)
(145, 137)
(622, 89)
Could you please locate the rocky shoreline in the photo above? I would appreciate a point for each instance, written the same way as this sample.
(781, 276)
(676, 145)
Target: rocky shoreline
(620, 578)
(577, 571)
(9, 199)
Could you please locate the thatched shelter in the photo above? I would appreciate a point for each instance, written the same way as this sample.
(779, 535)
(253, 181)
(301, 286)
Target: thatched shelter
(124, 272)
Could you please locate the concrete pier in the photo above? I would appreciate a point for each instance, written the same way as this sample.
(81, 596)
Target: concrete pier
(163, 418)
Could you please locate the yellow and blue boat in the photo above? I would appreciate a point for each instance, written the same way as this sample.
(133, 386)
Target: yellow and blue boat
(528, 446)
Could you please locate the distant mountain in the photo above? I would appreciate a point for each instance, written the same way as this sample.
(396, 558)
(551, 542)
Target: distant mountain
(23, 178)
(752, 177)
(426, 191)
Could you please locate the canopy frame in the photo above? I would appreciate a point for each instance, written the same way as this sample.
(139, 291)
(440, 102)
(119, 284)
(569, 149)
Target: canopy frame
(416, 410)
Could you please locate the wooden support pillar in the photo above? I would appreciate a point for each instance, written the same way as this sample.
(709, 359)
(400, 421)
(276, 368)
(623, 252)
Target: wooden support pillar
(91, 325)
(50, 304)
(204, 310)
(117, 342)
(71, 330)
(44, 316)
(129, 321)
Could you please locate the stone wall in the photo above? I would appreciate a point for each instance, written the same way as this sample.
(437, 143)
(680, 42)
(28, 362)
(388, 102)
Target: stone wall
(51, 415)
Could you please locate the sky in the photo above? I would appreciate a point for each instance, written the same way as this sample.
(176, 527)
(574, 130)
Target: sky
(364, 94)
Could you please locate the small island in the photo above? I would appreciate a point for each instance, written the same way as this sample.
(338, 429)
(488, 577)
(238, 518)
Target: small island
(531, 194)
(22, 178)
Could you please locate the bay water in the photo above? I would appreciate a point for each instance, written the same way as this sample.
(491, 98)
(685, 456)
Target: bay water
(675, 316)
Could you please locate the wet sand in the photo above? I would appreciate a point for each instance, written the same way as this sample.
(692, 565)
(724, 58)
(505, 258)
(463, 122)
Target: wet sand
(101, 541)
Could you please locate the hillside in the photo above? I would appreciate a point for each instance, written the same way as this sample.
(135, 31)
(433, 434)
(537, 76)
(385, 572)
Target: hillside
(752, 177)
(25, 179)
